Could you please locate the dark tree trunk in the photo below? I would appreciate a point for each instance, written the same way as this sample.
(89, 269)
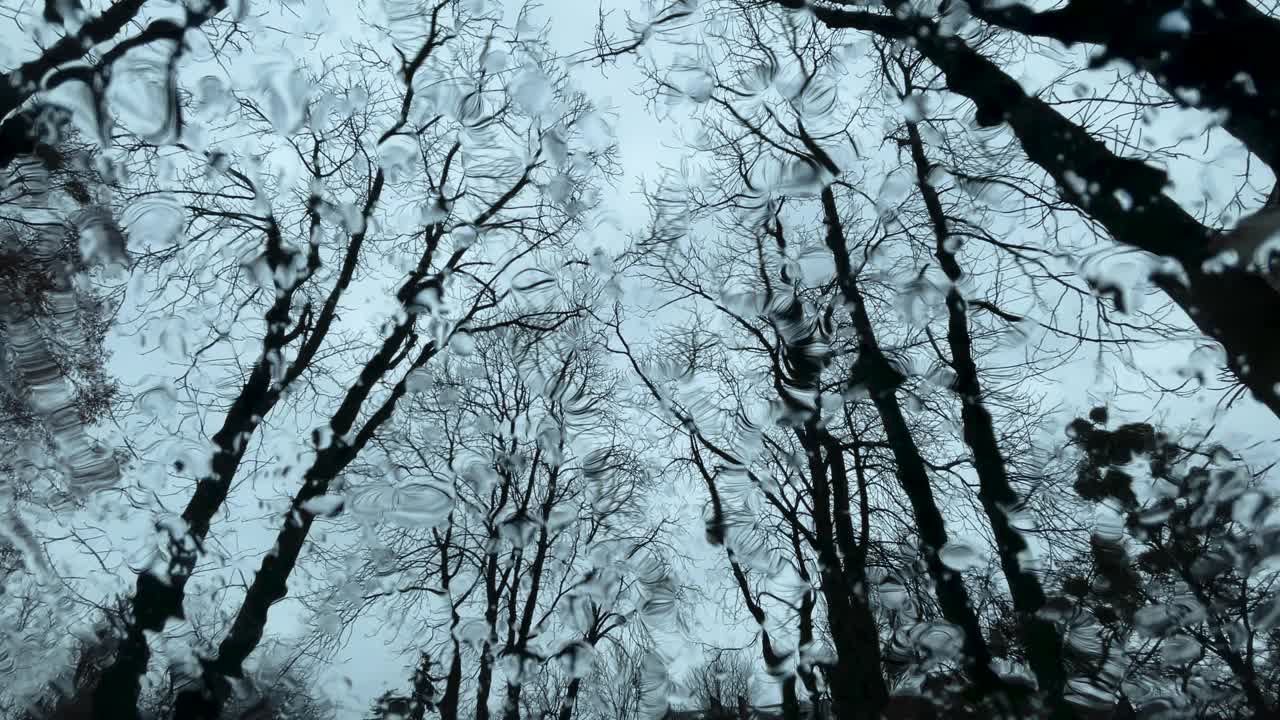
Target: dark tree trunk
(874, 372)
(511, 709)
(484, 683)
(1042, 640)
(1226, 58)
(270, 583)
(452, 684)
(857, 680)
(570, 700)
(790, 703)
(484, 680)
(806, 673)
(156, 599)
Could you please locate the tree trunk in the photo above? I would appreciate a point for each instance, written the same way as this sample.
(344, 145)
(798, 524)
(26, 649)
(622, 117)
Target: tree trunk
(511, 709)
(484, 683)
(484, 679)
(1041, 638)
(857, 680)
(453, 683)
(873, 371)
(570, 700)
(270, 583)
(1225, 58)
(156, 599)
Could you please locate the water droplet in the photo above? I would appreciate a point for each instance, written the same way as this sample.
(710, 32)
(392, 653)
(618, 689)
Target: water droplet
(938, 641)
(960, 556)
(494, 60)
(559, 190)
(213, 98)
(893, 594)
(87, 112)
(1124, 199)
(326, 505)
(462, 343)
(1084, 638)
(893, 191)
(322, 437)
(1174, 21)
(1248, 508)
(101, 241)
(283, 90)
(434, 211)
(1159, 619)
(601, 261)
(142, 94)
(578, 659)
(417, 381)
(411, 505)
(519, 529)
(399, 158)
(597, 135)
(1090, 693)
(533, 285)
(447, 396)
(817, 100)
(158, 400)
(155, 221)
(759, 78)
(419, 505)
(1203, 363)
(532, 91)
(472, 633)
(1179, 650)
(1155, 515)
(329, 623)
(692, 82)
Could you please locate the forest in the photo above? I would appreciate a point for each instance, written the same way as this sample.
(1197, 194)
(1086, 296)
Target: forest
(652, 359)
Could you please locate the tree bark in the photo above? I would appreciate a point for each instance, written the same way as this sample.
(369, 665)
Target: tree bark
(857, 688)
(1042, 639)
(270, 583)
(874, 372)
(570, 700)
(453, 684)
(1223, 62)
(484, 680)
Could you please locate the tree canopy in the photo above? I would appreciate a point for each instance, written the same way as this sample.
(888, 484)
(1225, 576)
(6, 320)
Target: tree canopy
(710, 358)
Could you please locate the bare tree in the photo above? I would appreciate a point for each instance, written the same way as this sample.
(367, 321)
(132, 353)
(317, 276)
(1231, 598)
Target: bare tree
(721, 684)
(1124, 196)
